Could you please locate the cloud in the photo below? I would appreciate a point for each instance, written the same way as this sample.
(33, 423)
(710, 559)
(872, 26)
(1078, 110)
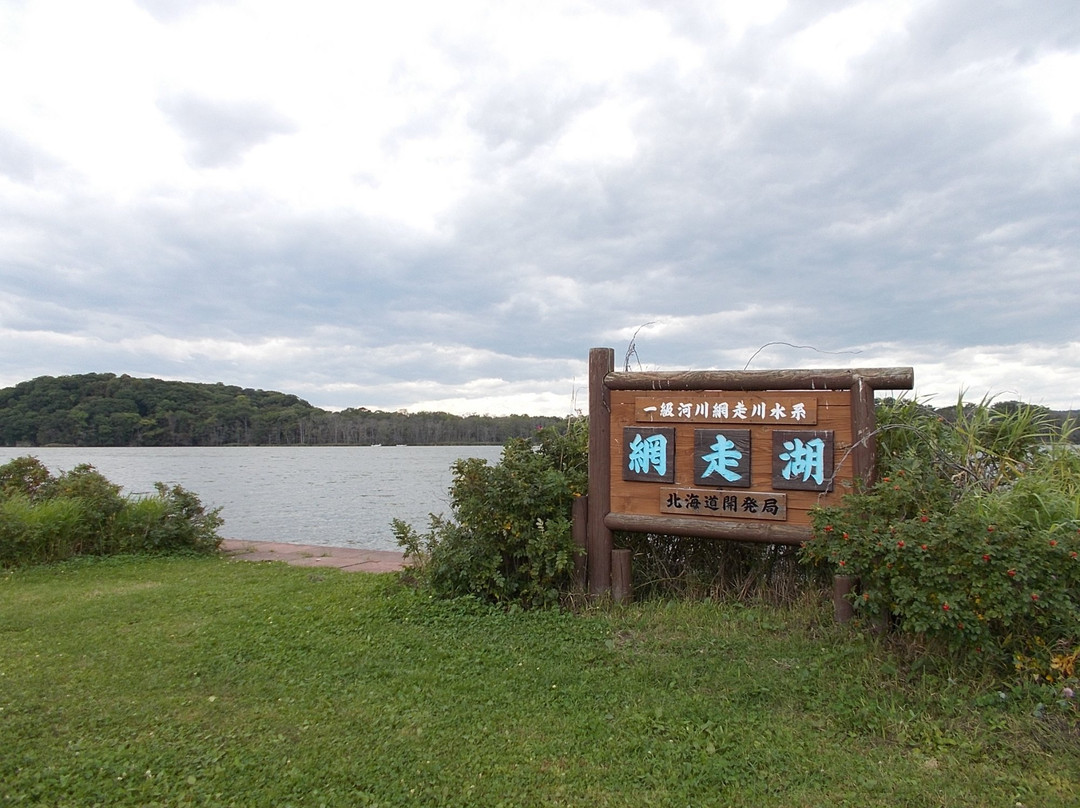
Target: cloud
(168, 11)
(430, 203)
(221, 133)
(20, 160)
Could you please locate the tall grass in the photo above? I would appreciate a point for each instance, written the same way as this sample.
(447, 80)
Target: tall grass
(682, 567)
(35, 532)
(47, 519)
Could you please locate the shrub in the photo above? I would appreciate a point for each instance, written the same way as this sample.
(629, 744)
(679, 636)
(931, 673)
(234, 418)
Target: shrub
(99, 501)
(23, 475)
(184, 523)
(45, 518)
(971, 534)
(508, 538)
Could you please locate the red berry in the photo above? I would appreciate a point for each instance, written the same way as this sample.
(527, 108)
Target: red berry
(987, 558)
(1034, 596)
(899, 544)
(1011, 573)
(924, 518)
(990, 528)
(945, 606)
(922, 546)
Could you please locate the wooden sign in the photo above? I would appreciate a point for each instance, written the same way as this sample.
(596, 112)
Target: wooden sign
(753, 445)
(742, 455)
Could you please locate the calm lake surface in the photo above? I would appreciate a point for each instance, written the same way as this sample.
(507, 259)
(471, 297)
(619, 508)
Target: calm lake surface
(334, 496)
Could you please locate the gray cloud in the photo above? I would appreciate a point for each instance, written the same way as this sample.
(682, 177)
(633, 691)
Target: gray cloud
(221, 133)
(20, 160)
(914, 201)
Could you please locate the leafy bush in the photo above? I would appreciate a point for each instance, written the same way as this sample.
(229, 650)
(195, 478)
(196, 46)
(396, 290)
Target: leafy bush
(23, 475)
(508, 539)
(45, 518)
(184, 524)
(970, 535)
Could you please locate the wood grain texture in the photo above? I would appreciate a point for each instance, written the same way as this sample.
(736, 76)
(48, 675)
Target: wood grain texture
(635, 498)
(821, 379)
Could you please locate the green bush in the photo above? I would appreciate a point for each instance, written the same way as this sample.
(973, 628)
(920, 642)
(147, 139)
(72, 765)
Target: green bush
(970, 536)
(508, 540)
(100, 501)
(23, 475)
(185, 524)
(45, 518)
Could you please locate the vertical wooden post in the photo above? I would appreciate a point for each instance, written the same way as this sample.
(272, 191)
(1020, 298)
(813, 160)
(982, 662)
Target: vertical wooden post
(579, 530)
(864, 462)
(843, 611)
(622, 582)
(863, 423)
(601, 363)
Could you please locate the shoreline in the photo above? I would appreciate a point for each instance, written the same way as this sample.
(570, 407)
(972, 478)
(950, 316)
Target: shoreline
(350, 559)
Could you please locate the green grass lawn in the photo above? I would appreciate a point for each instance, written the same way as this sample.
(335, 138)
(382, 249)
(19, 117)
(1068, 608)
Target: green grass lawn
(212, 682)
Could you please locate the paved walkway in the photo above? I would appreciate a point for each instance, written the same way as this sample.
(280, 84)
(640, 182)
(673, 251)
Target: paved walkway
(350, 559)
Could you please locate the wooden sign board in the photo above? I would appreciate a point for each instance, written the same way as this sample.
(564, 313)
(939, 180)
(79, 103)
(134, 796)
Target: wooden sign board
(718, 446)
(742, 455)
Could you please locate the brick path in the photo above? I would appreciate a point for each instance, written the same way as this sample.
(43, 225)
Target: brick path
(350, 559)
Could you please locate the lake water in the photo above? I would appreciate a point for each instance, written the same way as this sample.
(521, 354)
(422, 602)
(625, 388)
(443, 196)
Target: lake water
(334, 496)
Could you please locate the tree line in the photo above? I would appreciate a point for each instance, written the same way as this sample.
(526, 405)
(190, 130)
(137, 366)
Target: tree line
(103, 409)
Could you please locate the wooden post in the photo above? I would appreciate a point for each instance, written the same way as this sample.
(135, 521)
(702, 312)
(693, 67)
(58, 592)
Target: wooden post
(863, 421)
(843, 611)
(601, 363)
(622, 582)
(579, 529)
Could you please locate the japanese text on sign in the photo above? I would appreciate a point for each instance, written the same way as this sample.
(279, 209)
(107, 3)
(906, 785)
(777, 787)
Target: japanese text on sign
(650, 454)
(802, 460)
(722, 457)
(730, 505)
(777, 408)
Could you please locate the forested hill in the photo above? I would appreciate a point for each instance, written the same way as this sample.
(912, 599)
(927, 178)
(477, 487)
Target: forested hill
(103, 409)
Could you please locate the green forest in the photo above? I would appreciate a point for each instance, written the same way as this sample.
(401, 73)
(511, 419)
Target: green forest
(103, 409)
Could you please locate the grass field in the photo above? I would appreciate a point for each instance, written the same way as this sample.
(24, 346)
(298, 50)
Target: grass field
(208, 682)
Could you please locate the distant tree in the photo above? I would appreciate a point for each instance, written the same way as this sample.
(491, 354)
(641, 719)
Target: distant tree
(102, 409)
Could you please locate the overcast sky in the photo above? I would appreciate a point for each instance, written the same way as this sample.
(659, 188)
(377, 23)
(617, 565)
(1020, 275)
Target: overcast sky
(444, 205)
